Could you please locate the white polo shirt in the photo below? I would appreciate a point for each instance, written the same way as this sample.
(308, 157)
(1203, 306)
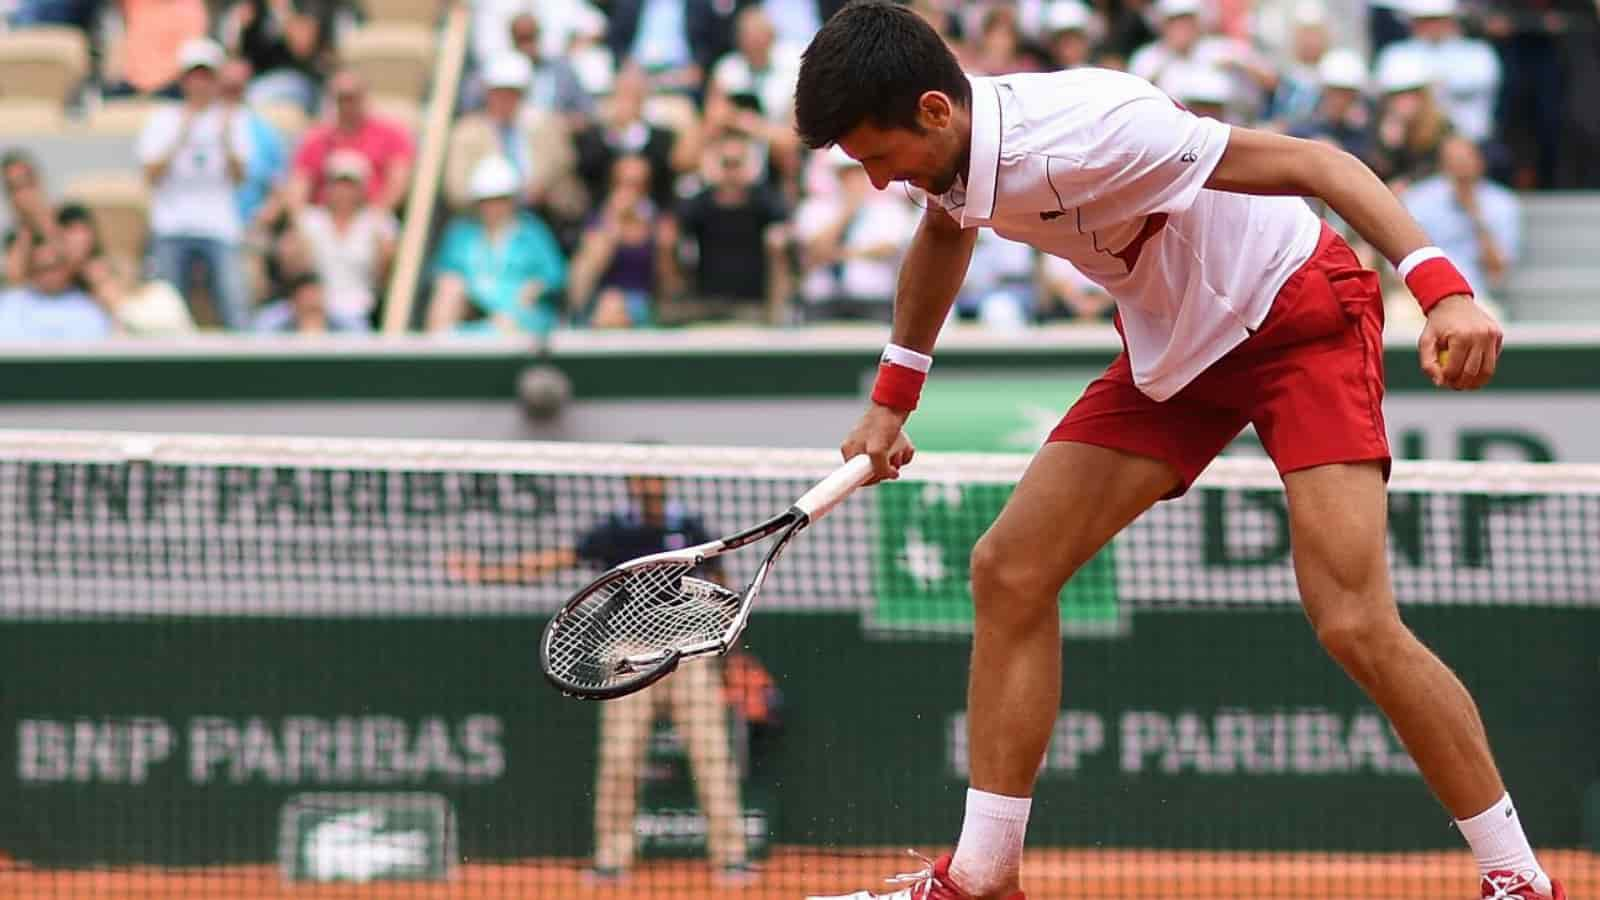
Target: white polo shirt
(1102, 169)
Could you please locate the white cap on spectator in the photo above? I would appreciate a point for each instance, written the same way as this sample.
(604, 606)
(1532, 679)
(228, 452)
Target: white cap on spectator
(1206, 85)
(1169, 9)
(200, 53)
(493, 176)
(1432, 9)
(1066, 15)
(508, 70)
(347, 164)
(1310, 12)
(1343, 68)
(1403, 72)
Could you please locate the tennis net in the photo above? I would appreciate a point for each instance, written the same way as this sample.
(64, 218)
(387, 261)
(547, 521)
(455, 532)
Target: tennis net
(264, 667)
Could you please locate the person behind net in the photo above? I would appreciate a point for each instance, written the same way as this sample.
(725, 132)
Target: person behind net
(692, 696)
(1283, 331)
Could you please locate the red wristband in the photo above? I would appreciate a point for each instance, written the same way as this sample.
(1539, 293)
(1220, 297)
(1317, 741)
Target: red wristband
(898, 387)
(1435, 279)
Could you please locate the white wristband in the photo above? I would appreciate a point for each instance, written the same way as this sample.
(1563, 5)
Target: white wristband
(1416, 258)
(905, 356)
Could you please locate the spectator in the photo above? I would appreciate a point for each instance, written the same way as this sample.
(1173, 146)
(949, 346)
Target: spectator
(738, 229)
(532, 139)
(751, 90)
(1128, 26)
(351, 242)
(1473, 220)
(32, 217)
(80, 14)
(1066, 33)
(1410, 124)
(553, 83)
(48, 306)
(1184, 48)
(385, 143)
(560, 21)
(145, 58)
(1464, 70)
(851, 242)
(1207, 92)
(304, 309)
(1533, 38)
(503, 267)
(998, 49)
(1343, 115)
(268, 157)
(675, 41)
(623, 131)
(1299, 76)
(288, 44)
(194, 156)
(1000, 289)
(1066, 293)
(622, 268)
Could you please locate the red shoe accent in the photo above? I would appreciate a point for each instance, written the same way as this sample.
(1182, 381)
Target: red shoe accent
(1504, 884)
(940, 887)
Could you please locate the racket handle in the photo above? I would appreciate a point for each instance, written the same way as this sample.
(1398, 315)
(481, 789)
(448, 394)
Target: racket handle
(831, 491)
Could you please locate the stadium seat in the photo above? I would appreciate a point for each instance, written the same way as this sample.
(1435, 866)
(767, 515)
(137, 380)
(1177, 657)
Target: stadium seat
(121, 117)
(45, 63)
(394, 60)
(412, 12)
(1556, 277)
(120, 204)
(31, 117)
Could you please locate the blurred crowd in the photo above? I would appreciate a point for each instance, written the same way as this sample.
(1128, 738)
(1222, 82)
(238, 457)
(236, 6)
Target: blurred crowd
(634, 164)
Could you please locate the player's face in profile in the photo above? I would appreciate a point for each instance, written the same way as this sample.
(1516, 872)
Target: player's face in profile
(929, 159)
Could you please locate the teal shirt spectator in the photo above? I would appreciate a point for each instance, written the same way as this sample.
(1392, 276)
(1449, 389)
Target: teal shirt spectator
(496, 274)
(267, 163)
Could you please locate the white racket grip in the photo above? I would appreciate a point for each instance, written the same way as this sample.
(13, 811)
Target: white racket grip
(831, 491)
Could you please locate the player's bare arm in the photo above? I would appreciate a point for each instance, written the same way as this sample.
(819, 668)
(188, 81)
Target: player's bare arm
(1259, 162)
(930, 277)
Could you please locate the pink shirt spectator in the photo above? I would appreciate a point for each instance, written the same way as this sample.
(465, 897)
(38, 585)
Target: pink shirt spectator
(379, 140)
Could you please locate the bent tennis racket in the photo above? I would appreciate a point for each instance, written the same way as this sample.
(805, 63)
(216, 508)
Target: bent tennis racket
(631, 627)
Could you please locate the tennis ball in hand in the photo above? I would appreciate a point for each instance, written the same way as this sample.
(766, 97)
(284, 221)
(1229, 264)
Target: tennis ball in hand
(1444, 359)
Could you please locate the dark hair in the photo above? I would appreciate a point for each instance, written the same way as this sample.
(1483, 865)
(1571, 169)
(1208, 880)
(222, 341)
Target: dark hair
(872, 61)
(14, 155)
(297, 282)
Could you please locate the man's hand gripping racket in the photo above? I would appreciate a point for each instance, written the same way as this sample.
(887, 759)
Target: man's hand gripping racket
(631, 627)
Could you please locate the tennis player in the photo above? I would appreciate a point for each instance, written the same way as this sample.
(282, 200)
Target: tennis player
(1236, 305)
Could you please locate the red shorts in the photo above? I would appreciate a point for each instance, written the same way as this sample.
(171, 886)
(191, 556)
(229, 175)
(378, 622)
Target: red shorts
(1310, 379)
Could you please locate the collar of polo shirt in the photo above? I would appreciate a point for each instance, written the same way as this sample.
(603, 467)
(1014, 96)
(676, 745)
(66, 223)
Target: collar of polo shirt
(983, 157)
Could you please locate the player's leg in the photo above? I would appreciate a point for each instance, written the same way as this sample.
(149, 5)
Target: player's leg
(701, 717)
(1338, 517)
(1073, 498)
(624, 736)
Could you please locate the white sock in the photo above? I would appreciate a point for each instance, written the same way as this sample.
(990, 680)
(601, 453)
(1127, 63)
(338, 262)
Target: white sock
(988, 856)
(1496, 838)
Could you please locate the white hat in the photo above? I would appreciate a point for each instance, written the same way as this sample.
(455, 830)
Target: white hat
(493, 176)
(1310, 12)
(1402, 72)
(347, 164)
(1205, 85)
(1343, 69)
(1432, 9)
(1066, 15)
(1168, 9)
(508, 70)
(200, 53)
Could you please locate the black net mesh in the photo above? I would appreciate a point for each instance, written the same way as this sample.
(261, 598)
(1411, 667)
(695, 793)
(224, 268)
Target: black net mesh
(262, 667)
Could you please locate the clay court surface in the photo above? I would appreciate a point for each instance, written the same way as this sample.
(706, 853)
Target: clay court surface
(791, 873)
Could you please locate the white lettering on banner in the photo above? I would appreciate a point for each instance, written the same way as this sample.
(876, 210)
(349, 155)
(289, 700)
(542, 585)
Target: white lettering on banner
(294, 750)
(107, 751)
(1304, 741)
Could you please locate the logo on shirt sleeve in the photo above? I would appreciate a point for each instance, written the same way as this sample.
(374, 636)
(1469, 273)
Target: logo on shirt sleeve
(1190, 155)
(1052, 214)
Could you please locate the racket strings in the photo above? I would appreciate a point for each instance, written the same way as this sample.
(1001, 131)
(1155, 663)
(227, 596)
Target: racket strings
(650, 610)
